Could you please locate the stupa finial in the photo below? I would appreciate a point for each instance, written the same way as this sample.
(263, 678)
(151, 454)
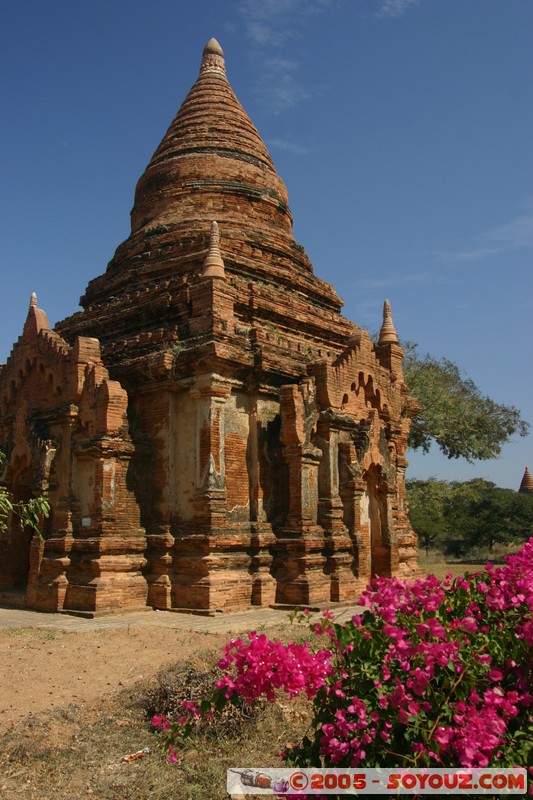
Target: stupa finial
(387, 334)
(33, 300)
(213, 262)
(213, 59)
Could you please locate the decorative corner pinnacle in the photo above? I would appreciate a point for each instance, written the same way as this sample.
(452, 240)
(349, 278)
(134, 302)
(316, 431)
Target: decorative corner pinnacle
(213, 266)
(387, 334)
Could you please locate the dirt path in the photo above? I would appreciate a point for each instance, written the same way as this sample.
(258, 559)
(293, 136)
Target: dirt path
(50, 661)
(43, 669)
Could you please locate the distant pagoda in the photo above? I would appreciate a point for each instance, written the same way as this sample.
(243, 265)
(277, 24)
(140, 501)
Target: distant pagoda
(526, 486)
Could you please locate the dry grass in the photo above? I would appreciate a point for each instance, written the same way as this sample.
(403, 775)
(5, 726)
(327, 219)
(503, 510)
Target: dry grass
(436, 565)
(434, 561)
(75, 751)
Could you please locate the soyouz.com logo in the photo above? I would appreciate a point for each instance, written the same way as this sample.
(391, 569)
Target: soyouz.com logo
(376, 781)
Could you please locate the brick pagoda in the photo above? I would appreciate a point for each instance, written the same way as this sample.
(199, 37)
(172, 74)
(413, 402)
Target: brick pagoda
(526, 484)
(211, 432)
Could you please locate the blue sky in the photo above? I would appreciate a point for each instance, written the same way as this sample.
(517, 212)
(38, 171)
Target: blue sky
(403, 130)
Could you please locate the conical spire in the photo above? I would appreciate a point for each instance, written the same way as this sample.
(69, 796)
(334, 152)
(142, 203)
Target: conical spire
(210, 164)
(36, 319)
(211, 150)
(213, 60)
(213, 263)
(387, 334)
(526, 486)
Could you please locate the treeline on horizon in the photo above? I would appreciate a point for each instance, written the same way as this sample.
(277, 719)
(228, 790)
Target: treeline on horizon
(460, 518)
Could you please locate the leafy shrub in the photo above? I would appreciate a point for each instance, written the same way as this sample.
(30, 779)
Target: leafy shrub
(432, 673)
(30, 514)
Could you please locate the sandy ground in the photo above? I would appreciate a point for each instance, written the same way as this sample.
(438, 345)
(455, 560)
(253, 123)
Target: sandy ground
(43, 669)
(46, 668)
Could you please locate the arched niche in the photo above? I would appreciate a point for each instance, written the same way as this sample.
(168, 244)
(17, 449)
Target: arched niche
(375, 501)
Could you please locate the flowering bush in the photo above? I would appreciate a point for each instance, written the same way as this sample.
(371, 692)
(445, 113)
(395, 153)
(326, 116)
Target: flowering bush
(432, 673)
(258, 669)
(261, 667)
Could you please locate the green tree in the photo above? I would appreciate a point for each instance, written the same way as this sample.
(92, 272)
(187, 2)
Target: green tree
(428, 501)
(486, 514)
(464, 515)
(454, 413)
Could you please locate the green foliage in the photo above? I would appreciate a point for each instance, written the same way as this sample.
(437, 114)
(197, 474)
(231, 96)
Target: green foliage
(488, 514)
(454, 413)
(423, 675)
(428, 504)
(29, 514)
(432, 674)
(155, 231)
(476, 513)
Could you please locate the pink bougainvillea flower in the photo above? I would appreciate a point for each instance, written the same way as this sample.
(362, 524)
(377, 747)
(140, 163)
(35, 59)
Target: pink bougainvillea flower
(172, 756)
(433, 671)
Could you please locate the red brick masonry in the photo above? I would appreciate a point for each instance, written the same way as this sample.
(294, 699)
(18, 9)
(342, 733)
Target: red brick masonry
(212, 433)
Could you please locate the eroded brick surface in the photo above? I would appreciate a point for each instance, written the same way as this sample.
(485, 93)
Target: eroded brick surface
(211, 431)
